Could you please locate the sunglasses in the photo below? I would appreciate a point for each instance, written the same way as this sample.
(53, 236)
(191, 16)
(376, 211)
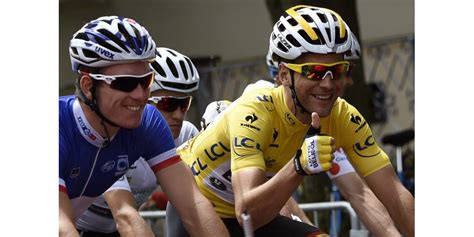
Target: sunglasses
(126, 83)
(318, 71)
(171, 103)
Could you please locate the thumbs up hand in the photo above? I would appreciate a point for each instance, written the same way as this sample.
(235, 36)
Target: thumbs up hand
(316, 154)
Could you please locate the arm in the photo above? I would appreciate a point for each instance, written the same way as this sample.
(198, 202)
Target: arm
(395, 197)
(252, 193)
(128, 220)
(369, 209)
(195, 211)
(291, 207)
(66, 217)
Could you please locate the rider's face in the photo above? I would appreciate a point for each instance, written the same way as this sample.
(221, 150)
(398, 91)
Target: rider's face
(123, 108)
(318, 95)
(174, 118)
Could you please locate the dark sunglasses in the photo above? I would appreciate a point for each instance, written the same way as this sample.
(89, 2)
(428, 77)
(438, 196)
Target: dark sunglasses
(125, 83)
(171, 103)
(318, 71)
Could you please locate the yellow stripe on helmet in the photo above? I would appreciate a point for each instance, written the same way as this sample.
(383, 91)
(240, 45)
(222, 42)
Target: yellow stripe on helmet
(304, 24)
(301, 21)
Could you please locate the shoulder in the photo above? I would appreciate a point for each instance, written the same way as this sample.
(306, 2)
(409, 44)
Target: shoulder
(346, 113)
(65, 105)
(258, 99)
(152, 119)
(188, 131)
(66, 116)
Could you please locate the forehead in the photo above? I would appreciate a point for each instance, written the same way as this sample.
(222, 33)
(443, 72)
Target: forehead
(134, 68)
(319, 58)
(168, 93)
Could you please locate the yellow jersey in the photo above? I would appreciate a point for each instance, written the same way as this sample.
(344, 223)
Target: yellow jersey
(258, 130)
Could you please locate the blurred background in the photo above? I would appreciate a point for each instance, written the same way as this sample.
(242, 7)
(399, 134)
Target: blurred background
(228, 40)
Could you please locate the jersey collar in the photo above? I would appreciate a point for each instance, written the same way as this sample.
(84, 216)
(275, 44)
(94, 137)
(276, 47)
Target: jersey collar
(87, 131)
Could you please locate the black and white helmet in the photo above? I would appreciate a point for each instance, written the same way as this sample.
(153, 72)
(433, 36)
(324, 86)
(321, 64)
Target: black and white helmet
(310, 29)
(174, 71)
(110, 40)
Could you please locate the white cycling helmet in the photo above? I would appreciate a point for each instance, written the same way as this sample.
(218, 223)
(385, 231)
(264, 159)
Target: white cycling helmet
(354, 52)
(174, 71)
(271, 64)
(310, 29)
(110, 40)
(213, 109)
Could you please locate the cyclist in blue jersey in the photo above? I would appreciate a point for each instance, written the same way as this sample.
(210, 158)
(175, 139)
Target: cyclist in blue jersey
(108, 125)
(115, 213)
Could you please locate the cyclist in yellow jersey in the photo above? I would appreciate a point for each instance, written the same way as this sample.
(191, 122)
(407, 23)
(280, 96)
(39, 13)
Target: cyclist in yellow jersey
(370, 210)
(257, 136)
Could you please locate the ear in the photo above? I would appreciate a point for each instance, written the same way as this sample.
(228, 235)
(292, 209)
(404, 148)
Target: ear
(284, 75)
(86, 85)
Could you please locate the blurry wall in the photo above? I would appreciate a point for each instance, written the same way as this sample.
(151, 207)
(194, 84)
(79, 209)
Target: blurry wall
(232, 29)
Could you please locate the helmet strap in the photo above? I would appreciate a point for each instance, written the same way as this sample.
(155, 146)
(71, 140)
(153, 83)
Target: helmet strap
(95, 107)
(296, 101)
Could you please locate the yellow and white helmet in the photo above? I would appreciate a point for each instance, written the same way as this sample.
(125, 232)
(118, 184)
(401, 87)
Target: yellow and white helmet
(309, 29)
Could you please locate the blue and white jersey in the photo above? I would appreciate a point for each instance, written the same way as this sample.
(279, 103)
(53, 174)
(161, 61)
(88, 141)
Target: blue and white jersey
(139, 180)
(88, 166)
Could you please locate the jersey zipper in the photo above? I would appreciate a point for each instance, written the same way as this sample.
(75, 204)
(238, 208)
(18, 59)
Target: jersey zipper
(92, 171)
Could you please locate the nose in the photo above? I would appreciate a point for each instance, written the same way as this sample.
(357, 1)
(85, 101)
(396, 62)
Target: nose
(139, 93)
(327, 81)
(178, 114)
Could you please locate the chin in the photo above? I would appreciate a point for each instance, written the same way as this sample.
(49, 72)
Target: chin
(322, 112)
(131, 125)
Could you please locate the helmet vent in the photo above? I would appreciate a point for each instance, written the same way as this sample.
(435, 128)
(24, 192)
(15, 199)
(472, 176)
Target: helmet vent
(292, 22)
(82, 36)
(157, 67)
(172, 67)
(137, 39)
(190, 66)
(180, 86)
(90, 54)
(114, 39)
(104, 43)
(125, 34)
(181, 63)
(281, 27)
(171, 52)
(320, 39)
(293, 41)
(281, 47)
(307, 18)
(340, 40)
(323, 18)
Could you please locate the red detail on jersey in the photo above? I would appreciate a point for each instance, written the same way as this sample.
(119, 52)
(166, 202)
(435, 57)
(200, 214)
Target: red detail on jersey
(62, 189)
(335, 169)
(168, 162)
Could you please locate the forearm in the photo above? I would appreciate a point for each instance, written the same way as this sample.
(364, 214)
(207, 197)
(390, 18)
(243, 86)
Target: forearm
(66, 217)
(291, 208)
(132, 225)
(368, 208)
(203, 221)
(127, 219)
(195, 211)
(67, 228)
(395, 197)
(372, 214)
(278, 189)
(403, 212)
